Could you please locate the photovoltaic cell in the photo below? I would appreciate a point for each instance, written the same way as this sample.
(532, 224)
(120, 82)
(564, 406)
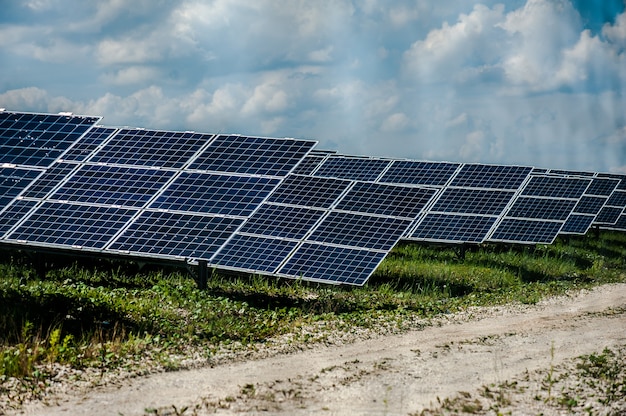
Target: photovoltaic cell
(38, 139)
(541, 208)
(88, 143)
(361, 231)
(309, 191)
(556, 187)
(13, 181)
(174, 234)
(332, 264)
(577, 224)
(49, 180)
(453, 228)
(362, 169)
(72, 225)
(215, 194)
(252, 155)
(111, 185)
(253, 253)
(472, 201)
(526, 231)
(419, 173)
(382, 199)
(13, 214)
(151, 148)
(491, 176)
(282, 221)
(570, 172)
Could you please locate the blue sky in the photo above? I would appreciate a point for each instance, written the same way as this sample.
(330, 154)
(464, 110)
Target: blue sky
(529, 82)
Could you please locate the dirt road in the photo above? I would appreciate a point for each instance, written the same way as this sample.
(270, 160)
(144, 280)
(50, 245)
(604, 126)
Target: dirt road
(389, 375)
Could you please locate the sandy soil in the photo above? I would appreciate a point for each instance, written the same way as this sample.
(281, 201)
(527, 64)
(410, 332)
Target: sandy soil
(391, 374)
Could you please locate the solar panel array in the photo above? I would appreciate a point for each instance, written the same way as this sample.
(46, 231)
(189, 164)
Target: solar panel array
(269, 205)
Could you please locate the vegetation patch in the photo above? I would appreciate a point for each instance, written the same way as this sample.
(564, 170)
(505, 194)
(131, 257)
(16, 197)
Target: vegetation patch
(105, 318)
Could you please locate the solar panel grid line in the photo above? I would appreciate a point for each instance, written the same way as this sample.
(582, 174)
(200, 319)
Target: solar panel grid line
(88, 144)
(352, 168)
(14, 181)
(13, 214)
(407, 172)
(619, 225)
(453, 228)
(622, 179)
(555, 186)
(526, 231)
(309, 164)
(499, 177)
(577, 224)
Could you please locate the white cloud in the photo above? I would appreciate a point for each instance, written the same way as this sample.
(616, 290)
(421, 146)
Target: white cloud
(395, 122)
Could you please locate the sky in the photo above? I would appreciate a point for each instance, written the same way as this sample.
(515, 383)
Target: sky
(516, 82)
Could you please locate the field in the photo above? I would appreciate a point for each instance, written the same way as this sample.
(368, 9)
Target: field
(92, 326)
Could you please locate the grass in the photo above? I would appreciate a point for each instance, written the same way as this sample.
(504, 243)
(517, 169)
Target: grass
(109, 317)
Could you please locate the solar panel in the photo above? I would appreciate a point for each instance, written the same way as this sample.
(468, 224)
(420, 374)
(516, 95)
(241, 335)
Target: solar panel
(141, 147)
(472, 201)
(556, 187)
(355, 168)
(309, 191)
(252, 155)
(215, 193)
(49, 180)
(590, 205)
(38, 139)
(176, 234)
(419, 173)
(608, 216)
(254, 253)
(541, 208)
(308, 165)
(491, 176)
(88, 143)
(620, 225)
(111, 185)
(617, 199)
(13, 181)
(331, 264)
(282, 221)
(72, 225)
(602, 186)
(361, 231)
(577, 224)
(14, 213)
(622, 178)
(515, 230)
(453, 228)
(382, 199)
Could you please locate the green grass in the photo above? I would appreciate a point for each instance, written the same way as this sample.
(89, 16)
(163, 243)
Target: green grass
(107, 317)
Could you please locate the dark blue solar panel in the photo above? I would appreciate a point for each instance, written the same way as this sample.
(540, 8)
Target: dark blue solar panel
(472, 201)
(541, 208)
(173, 234)
(332, 264)
(570, 172)
(622, 178)
(608, 215)
(308, 165)
(577, 224)
(151, 148)
(526, 231)
(13, 181)
(88, 143)
(254, 253)
(489, 176)
(556, 187)
(282, 221)
(38, 139)
(621, 223)
(602, 186)
(419, 173)
(590, 204)
(381, 199)
(618, 199)
(362, 169)
(309, 191)
(215, 194)
(72, 225)
(453, 228)
(49, 180)
(110, 185)
(13, 214)
(363, 231)
(252, 155)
